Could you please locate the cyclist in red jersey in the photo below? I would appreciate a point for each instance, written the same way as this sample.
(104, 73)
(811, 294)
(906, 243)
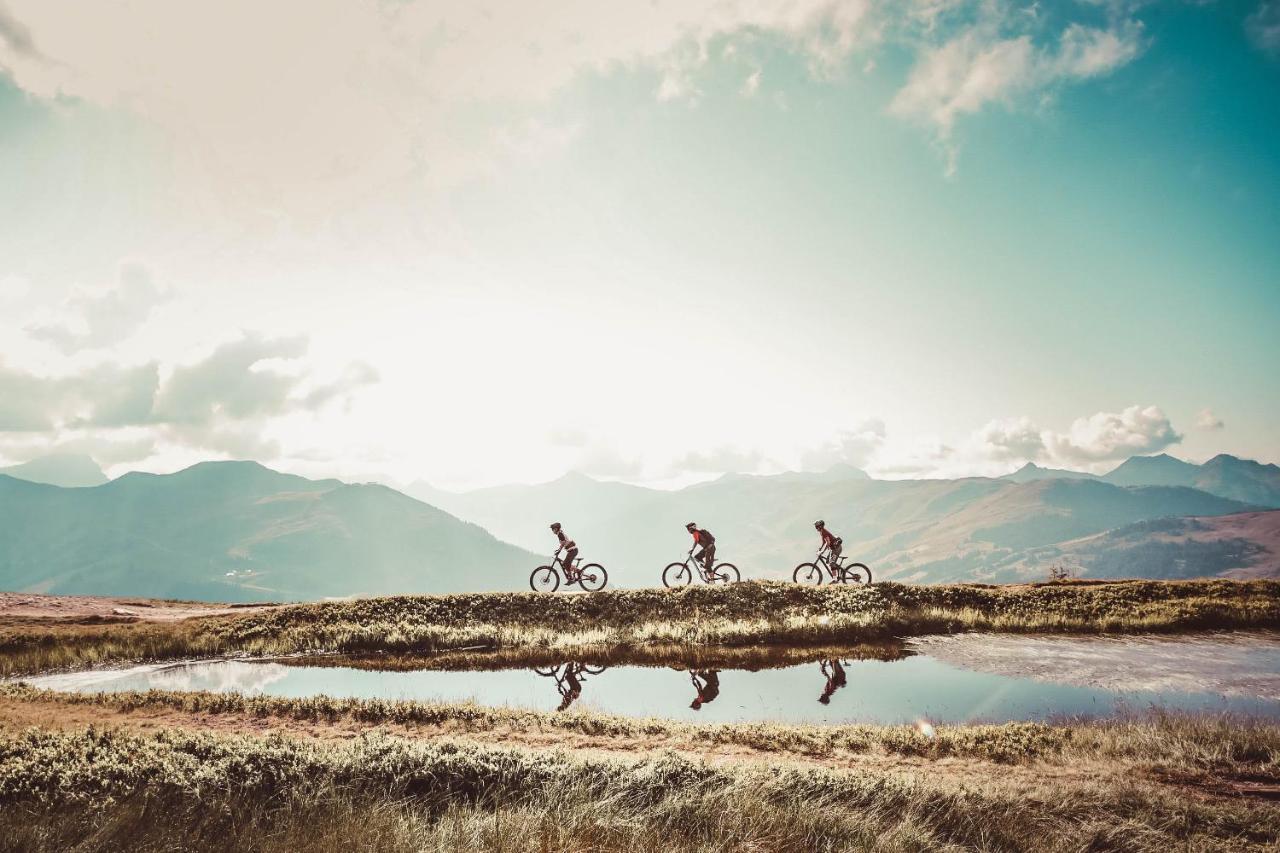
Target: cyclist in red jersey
(832, 543)
(703, 539)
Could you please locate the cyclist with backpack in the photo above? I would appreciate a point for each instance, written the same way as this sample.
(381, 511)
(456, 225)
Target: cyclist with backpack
(703, 539)
(830, 542)
(570, 549)
(707, 685)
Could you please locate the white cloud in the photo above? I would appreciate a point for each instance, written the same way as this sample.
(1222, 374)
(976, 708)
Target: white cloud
(1112, 436)
(1011, 439)
(1207, 420)
(985, 65)
(721, 460)
(752, 84)
(101, 318)
(856, 447)
(1263, 26)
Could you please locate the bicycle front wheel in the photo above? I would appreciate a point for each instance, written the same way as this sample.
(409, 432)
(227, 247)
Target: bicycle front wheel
(544, 579)
(676, 574)
(546, 670)
(725, 573)
(593, 577)
(807, 573)
(855, 573)
(593, 669)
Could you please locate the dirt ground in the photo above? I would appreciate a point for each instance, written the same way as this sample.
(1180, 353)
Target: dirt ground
(29, 605)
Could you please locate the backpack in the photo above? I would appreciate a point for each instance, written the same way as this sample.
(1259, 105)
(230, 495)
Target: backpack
(705, 538)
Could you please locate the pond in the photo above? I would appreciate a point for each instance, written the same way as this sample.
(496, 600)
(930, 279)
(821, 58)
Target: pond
(964, 678)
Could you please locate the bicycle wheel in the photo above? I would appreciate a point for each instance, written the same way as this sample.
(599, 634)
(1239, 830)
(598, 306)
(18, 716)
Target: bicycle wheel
(676, 574)
(593, 577)
(807, 573)
(725, 573)
(544, 579)
(855, 573)
(546, 670)
(592, 669)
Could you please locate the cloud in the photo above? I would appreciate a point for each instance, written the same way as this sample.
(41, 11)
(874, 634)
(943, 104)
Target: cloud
(227, 385)
(106, 395)
(224, 403)
(100, 319)
(1263, 26)
(1111, 436)
(15, 35)
(602, 461)
(854, 447)
(1011, 439)
(721, 460)
(1207, 420)
(752, 84)
(984, 65)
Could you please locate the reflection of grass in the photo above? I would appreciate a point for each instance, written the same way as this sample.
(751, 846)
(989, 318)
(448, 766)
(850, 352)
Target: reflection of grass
(751, 658)
(746, 613)
(197, 791)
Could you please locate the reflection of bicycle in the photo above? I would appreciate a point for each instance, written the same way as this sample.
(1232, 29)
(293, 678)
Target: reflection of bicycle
(591, 577)
(833, 672)
(835, 571)
(681, 574)
(569, 678)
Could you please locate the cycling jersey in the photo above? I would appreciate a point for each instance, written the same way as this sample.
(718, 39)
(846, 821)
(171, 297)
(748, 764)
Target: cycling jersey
(565, 541)
(703, 537)
(828, 538)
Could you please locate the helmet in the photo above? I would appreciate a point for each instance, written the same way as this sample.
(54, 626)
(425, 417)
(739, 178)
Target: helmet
(555, 525)
(819, 524)
(691, 526)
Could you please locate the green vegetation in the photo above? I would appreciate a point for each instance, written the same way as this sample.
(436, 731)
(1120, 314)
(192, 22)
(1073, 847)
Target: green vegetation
(108, 790)
(746, 613)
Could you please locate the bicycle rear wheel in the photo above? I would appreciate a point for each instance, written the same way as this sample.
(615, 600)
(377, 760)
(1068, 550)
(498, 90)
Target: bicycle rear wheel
(856, 573)
(592, 669)
(808, 574)
(592, 577)
(544, 579)
(725, 573)
(546, 670)
(676, 574)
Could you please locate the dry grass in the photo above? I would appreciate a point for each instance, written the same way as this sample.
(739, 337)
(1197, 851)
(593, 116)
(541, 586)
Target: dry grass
(746, 613)
(96, 790)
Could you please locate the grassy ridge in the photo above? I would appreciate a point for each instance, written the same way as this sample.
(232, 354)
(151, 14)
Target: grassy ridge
(752, 612)
(108, 790)
(1185, 742)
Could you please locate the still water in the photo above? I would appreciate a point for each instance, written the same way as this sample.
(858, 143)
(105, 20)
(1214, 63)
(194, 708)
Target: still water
(955, 679)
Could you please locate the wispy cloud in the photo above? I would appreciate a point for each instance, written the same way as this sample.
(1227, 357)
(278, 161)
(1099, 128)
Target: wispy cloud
(94, 319)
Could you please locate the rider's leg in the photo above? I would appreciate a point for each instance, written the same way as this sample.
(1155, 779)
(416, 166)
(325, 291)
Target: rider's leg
(710, 552)
(569, 569)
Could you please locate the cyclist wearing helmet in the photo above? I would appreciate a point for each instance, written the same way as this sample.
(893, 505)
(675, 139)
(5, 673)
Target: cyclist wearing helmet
(569, 547)
(703, 539)
(832, 543)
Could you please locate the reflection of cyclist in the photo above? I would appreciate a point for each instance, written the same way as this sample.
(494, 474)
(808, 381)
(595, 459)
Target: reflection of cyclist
(703, 539)
(832, 543)
(570, 550)
(707, 683)
(835, 680)
(569, 686)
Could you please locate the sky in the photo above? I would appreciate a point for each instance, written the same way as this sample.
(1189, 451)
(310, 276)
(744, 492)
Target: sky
(649, 241)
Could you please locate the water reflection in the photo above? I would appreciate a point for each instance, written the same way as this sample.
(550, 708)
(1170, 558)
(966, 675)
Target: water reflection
(833, 672)
(1057, 677)
(706, 687)
(568, 678)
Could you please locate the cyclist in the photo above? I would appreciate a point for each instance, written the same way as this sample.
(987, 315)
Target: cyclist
(707, 683)
(830, 542)
(569, 686)
(703, 539)
(835, 680)
(570, 549)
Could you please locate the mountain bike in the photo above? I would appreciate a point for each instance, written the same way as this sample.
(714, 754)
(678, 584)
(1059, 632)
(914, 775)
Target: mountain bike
(569, 678)
(591, 577)
(681, 574)
(833, 570)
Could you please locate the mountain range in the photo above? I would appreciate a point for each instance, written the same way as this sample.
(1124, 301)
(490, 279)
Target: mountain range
(237, 531)
(1223, 475)
(908, 530)
(69, 470)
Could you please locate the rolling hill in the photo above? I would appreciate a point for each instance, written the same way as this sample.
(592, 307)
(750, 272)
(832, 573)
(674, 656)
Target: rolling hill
(236, 531)
(909, 530)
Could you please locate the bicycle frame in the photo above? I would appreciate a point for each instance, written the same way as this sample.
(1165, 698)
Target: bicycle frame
(564, 570)
(703, 572)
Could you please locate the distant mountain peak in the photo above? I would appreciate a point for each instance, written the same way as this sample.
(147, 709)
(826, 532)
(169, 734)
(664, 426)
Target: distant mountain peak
(68, 470)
